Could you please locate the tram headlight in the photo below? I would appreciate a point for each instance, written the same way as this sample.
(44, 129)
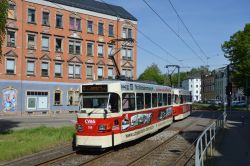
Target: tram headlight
(79, 128)
(102, 128)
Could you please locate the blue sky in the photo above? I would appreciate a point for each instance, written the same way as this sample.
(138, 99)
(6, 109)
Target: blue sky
(211, 22)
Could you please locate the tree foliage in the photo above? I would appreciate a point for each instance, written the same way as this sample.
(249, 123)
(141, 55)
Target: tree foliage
(152, 73)
(3, 20)
(237, 50)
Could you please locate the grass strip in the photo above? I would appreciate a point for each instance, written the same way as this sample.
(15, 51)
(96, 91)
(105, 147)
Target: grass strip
(15, 144)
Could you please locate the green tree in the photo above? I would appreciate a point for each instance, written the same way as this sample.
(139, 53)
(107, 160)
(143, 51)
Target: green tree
(152, 73)
(3, 20)
(237, 50)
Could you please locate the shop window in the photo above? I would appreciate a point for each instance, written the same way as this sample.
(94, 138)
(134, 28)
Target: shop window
(57, 97)
(73, 97)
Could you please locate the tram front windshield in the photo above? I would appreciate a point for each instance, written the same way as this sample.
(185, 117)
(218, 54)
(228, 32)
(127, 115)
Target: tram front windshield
(96, 100)
(110, 101)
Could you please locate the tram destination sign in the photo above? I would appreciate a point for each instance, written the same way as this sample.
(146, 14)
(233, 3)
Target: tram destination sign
(94, 88)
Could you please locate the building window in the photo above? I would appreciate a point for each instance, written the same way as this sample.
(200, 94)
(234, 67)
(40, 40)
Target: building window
(126, 33)
(31, 15)
(59, 45)
(75, 24)
(127, 54)
(89, 72)
(30, 67)
(100, 28)
(59, 23)
(90, 27)
(11, 38)
(100, 72)
(37, 100)
(31, 41)
(45, 43)
(74, 47)
(74, 70)
(127, 73)
(58, 70)
(45, 69)
(10, 66)
(110, 73)
(111, 30)
(12, 11)
(45, 19)
(90, 49)
(100, 50)
(57, 97)
(110, 50)
(73, 97)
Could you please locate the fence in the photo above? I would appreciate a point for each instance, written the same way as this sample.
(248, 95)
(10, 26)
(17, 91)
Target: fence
(206, 141)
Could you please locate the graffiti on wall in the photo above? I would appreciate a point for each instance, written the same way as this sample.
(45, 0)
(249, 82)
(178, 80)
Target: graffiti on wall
(9, 99)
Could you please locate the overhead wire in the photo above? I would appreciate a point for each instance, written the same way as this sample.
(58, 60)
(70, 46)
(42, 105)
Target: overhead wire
(146, 36)
(185, 43)
(144, 49)
(189, 32)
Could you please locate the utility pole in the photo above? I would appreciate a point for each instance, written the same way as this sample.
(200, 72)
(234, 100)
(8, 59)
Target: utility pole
(170, 75)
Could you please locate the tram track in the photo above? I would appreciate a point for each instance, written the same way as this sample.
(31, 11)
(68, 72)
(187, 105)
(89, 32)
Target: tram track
(179, 156)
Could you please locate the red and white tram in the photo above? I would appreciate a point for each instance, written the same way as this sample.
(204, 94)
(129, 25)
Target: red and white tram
(115, 112)
(181, 103)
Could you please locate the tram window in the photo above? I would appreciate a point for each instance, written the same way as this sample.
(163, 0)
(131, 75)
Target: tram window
(140, 101)
(176, 99)
(128, 101)
(165, 99)
(181, 101)
(169, 99)
(147, 100)
(159, 99)
(114, 102)
(154, 100)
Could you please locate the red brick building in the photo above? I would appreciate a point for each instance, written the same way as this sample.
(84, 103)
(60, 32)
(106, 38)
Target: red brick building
(54, 45)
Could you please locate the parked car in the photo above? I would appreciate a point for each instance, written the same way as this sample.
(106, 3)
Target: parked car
(239, 103)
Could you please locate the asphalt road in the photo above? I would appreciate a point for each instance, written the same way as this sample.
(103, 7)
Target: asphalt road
(8, 122)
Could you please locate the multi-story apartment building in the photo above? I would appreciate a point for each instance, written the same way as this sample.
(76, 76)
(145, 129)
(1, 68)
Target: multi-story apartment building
(52, 46)
(220, 83)
(193, 84)
(207, 86)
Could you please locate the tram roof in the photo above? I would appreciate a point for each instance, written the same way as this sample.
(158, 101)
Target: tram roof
(136, 85)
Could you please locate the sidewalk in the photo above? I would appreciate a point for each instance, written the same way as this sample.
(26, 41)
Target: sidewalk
(235, 146)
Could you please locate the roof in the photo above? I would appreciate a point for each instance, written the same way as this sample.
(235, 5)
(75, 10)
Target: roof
(96, 6)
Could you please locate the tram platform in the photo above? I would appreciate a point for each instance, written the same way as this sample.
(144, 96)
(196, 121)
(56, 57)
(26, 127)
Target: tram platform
(234, 148)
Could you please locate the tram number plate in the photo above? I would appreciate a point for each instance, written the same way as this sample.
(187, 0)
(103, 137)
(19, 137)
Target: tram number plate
(90, 127)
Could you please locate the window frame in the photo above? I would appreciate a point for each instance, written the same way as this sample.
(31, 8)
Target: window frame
(61, 48)
(74, 75)
(45, 75)
(89, 76)
(61, 71)
(61, 16)
(101, 28)
(13, 10)
(92, 49)
(6, 66)
(47, 20)
(33, 71)
(9, 43)
(30, 15)
(111, 30)
(29, 45)
(75, 42)
(42, 46)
